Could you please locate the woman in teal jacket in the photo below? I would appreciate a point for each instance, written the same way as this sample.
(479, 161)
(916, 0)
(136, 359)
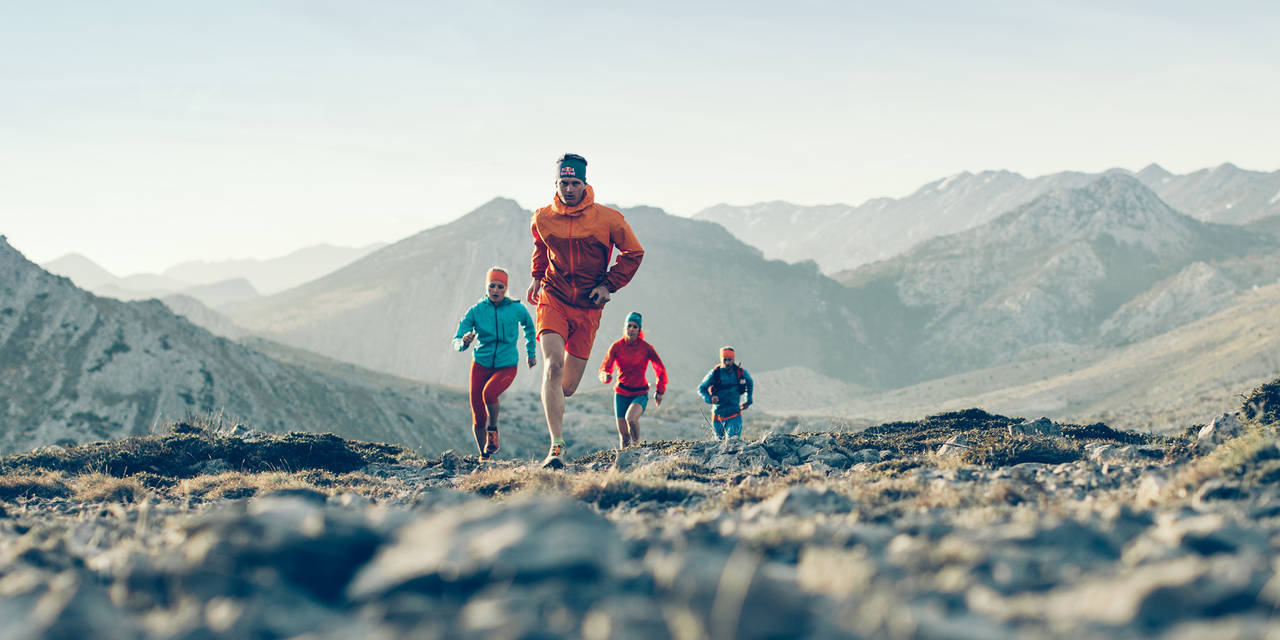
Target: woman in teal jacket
(493, 324)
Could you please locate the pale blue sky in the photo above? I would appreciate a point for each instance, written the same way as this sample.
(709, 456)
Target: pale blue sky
(142, 134)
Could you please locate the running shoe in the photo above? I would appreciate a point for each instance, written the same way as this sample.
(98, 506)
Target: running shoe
(490, 442)
(553, 460)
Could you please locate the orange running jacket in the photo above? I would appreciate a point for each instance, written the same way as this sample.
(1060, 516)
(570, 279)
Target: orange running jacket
(572, 248)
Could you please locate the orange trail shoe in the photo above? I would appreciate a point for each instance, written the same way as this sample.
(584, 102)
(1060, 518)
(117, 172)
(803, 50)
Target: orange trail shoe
(553, 460)
(490, 442)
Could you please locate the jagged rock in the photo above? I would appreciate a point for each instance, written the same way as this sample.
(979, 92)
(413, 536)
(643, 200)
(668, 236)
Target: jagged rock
(954, 446)
(463, 547)
(804, 501)
(831, 458)
(1041, 427)
(782, 447)
(1107, 452)
(1223, 428)
(735, 455)
(866, 456)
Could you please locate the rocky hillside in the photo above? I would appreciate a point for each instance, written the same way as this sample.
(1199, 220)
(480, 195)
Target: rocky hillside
(698, 288)
(1052, 271)
(75, 367)
(964, 524)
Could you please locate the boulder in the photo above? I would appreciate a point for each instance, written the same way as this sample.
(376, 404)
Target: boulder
(1041, 427)
(1221, 429)
(462, 548)
(866, 455)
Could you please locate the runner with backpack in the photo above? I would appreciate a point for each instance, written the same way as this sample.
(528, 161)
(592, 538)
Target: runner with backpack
(725, 387)
(631, 355)
(493, 324)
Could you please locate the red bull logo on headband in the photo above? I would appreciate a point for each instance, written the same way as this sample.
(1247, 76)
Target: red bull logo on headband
(568, 172)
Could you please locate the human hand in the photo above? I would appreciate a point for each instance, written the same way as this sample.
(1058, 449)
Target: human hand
(468, 337)
(599, 295)
(657, 399)
(535, 288)
(715, 399)
(605, 377)
(745, 406)
(532, 361)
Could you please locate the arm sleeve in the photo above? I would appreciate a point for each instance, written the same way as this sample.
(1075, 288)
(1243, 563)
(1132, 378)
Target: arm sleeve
(751, 385)
(538, 263)
(606, 366)
(659, 369)
(466, 324)
(630, 253)
(530, 336)
(706, 384)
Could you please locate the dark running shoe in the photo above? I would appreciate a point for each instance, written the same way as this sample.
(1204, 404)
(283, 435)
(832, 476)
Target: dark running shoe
(490, 443)
(553, 460)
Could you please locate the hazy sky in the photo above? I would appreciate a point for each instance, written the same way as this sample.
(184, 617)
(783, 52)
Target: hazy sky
(143, 134)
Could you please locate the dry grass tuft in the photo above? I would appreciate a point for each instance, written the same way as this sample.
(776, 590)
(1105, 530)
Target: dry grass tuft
(605, 489)
(98, 487)
(1254, 457)
(43, 484)
(1263, 403)
(235, 484)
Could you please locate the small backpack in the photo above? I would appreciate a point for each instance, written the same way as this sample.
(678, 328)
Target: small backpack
(742, 379)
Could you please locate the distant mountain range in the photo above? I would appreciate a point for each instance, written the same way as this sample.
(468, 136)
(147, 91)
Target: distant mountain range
(841, 237)
(212, 283)
(275, 274)
(1052, 271)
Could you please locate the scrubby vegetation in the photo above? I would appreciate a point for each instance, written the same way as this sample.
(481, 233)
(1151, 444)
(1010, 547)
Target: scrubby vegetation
(190, 450)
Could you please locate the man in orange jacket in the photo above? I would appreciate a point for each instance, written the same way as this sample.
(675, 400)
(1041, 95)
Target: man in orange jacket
(573, 241)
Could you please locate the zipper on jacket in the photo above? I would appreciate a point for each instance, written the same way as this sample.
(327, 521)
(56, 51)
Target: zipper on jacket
(497, 330)
(573, 257)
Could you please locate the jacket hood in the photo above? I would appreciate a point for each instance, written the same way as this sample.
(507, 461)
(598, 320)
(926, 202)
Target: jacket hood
(558, 205)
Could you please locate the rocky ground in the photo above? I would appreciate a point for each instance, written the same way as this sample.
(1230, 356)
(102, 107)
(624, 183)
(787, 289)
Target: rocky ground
(960, 525)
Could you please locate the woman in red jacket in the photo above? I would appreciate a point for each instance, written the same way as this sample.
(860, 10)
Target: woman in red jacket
(632, 355)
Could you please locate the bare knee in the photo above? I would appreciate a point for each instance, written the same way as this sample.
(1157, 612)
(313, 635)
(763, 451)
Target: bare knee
(553, 369)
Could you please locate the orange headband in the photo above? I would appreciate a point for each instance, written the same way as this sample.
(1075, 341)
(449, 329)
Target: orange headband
(496, 276)
(726, 352)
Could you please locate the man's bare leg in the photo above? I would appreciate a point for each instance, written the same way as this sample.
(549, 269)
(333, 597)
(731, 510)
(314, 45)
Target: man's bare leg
(553, 356)
(573, 370)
